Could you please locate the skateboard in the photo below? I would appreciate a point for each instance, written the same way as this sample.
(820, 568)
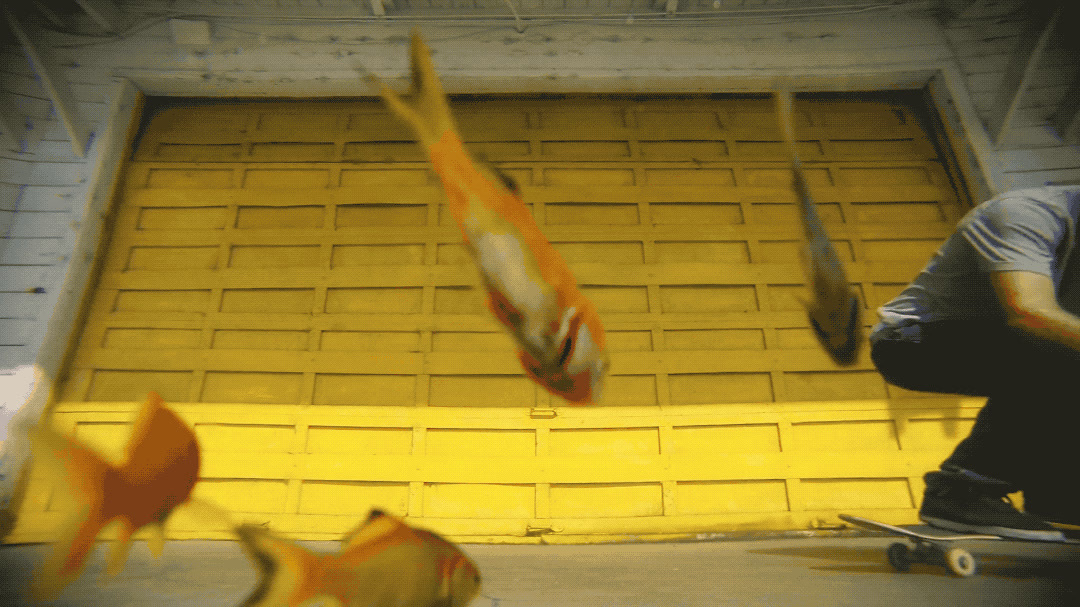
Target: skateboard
(936, 546)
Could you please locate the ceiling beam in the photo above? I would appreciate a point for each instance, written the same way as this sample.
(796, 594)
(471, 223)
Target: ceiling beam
(1033, 39)
(10, 134)
(965, 9)
(1066, 119)
(52, 78)
(104, 12)
(50, 15)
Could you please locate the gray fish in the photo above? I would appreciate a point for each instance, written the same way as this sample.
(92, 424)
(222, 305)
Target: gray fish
(835, 311)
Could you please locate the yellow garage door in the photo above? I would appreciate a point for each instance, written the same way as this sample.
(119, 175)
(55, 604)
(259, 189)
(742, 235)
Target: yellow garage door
(288, 277)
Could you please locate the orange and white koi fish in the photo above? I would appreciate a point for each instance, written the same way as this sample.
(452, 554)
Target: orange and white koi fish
(835, 311)
(382, 563)
(158, 474)
(530, 288)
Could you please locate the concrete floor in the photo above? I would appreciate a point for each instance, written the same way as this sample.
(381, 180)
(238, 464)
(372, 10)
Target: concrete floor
(805, 572)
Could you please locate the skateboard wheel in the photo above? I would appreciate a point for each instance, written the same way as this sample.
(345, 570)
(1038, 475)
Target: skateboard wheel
(899, 556)
(960, 562)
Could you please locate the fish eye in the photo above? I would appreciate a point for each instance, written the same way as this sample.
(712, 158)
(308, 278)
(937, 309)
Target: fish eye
(568, 344)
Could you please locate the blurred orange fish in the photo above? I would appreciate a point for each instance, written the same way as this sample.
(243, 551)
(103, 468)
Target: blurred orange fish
(835, 311)
(382, 563)
(530, 288)
(159, 471)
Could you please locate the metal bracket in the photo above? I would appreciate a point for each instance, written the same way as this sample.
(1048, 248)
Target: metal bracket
(534, 530)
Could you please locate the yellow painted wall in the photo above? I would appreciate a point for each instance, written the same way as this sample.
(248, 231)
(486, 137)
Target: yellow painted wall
(287, 274)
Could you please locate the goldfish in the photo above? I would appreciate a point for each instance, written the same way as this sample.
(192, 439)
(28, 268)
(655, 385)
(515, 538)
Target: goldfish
(531, 291)
(835, 311)
(382, 563)
(160, 469)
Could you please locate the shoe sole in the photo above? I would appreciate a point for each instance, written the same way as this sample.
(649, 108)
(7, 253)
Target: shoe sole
(1007, 532)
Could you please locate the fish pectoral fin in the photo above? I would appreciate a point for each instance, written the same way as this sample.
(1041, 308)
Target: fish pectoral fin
(156, 540)
(283, 567)
(119, 550)
(78, 471)
(399, 108)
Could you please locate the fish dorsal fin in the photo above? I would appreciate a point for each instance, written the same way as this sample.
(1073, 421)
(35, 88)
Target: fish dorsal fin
(378, 525)
(158, 438)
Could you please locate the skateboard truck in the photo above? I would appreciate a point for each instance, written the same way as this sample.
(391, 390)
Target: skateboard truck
(958, 560)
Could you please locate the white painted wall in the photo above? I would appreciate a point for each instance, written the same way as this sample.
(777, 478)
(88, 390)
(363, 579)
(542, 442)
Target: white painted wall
(50, 200)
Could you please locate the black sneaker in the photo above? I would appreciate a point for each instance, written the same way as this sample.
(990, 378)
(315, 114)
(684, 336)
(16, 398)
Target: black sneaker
(961, 501)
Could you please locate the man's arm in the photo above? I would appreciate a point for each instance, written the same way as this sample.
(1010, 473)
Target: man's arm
(1031, 306)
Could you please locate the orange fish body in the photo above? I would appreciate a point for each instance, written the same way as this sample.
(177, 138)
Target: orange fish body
(530, 288)
(158, 474)
(383, 563)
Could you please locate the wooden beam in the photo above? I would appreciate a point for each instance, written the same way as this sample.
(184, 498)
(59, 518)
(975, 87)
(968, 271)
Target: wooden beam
(190, 32)
(377, 8)
(956, 6)
(965, 9)
(1021, 68)
(52, 78)
(991, 8)
(10, 134)
(50, 15)
(104, 12)
(1066, 119)
(118, 132)
(672, 6)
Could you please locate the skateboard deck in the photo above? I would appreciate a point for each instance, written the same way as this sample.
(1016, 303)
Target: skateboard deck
(936, 546)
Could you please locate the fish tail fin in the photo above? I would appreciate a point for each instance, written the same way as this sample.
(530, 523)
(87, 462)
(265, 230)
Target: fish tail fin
(427, 110)
(75, 472)
(63, 457)
(785, 111)
(68, 557)
(425, 81)
(397, 105)
(77, 475)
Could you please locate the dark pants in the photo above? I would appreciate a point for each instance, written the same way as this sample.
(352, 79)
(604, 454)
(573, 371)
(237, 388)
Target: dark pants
(1026, 432)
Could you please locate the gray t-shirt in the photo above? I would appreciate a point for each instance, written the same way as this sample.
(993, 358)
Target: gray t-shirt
(1032, 229)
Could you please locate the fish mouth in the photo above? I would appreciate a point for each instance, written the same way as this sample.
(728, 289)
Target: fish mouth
(846, 353)
(574, 388)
